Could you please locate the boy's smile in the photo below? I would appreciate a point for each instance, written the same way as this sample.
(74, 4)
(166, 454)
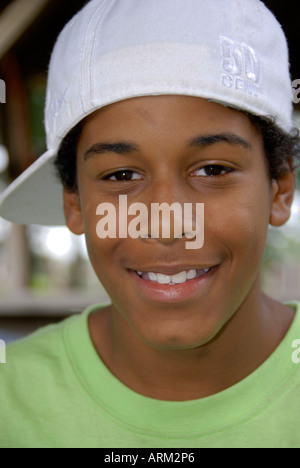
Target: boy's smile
(176, 149)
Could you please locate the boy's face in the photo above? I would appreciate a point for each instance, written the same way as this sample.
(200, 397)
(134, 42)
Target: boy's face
(159, 154)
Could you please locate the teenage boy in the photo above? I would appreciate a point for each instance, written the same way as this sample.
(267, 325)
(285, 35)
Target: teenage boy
(176, 101)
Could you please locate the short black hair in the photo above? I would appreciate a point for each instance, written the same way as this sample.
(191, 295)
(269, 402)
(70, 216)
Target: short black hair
(66, 160)
(281, 150)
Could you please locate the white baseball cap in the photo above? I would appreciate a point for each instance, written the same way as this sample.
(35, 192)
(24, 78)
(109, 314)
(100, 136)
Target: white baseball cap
(230, 51)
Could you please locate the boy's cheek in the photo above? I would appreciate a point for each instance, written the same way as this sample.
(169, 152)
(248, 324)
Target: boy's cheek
(238, 234)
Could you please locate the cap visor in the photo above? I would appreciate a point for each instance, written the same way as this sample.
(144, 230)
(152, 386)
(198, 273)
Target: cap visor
(36, 197)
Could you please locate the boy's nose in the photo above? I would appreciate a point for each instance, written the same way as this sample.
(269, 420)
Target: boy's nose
(166, 212)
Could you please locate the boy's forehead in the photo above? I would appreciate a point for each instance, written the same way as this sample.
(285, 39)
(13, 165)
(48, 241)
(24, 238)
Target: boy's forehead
(178, 119)
(154, 108)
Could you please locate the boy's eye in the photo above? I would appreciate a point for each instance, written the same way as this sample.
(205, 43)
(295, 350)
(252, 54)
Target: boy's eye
(123, 176)
(212, 170)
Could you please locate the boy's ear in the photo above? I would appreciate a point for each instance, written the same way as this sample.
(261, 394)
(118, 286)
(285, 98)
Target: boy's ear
(72, 210)
(282, 198)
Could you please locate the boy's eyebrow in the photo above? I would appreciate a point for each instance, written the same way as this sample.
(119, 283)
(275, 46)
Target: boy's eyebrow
(118, 147)
(232, 138)
(201, 140)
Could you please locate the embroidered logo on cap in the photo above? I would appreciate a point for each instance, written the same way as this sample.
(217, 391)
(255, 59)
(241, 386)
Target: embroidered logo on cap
(240, 66)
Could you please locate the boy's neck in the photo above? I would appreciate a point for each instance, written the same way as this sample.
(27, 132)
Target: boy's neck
(245, 342)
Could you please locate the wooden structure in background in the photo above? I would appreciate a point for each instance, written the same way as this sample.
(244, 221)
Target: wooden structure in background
(16, 19)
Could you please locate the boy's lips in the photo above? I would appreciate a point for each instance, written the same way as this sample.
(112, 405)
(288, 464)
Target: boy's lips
(172, 283)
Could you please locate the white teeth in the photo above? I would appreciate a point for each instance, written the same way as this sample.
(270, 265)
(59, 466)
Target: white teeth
(179, 278)
(152, 276)
(163, 279)
(191, 274)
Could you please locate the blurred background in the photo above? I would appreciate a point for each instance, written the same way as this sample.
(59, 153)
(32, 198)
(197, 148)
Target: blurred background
(44, 272)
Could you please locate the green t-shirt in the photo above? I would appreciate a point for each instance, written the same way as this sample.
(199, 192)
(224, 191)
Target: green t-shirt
(56, 392)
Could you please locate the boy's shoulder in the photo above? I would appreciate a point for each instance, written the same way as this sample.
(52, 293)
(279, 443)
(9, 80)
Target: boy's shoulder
(37, 352)
(43, 350)
(37, 382)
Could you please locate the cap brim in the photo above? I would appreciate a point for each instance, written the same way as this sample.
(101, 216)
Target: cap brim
(36, 197)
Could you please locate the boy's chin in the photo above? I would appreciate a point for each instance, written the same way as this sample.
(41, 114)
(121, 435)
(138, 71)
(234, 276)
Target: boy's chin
(179, 340)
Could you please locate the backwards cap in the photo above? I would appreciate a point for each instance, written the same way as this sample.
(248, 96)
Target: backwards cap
(230, 51)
